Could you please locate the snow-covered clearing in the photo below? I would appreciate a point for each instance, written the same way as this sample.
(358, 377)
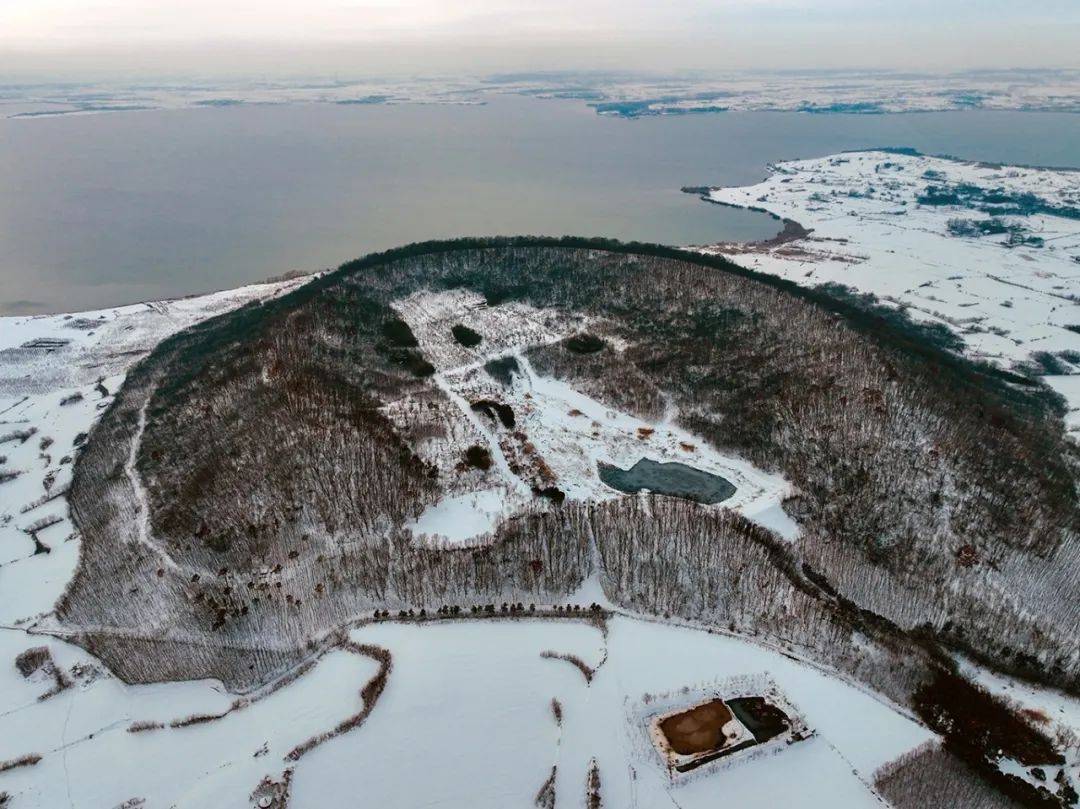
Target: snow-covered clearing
(870, 232)
(461, 517)
(559, 434)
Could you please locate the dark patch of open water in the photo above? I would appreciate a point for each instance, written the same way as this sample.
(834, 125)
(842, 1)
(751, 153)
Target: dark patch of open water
(673, 479)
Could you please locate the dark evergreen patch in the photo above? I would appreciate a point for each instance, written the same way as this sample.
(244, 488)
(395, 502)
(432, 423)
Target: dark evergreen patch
(466, 336)
(504, 413)
(503, 369)
(478, 457)
(398, 333)
(584, 343)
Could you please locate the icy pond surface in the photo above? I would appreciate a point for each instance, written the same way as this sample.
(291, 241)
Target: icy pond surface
(673, 479)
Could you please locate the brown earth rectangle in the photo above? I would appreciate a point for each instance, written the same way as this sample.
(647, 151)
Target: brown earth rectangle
(698, 729)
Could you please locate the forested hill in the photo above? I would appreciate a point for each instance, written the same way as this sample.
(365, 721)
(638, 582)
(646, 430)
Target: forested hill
(257, 475)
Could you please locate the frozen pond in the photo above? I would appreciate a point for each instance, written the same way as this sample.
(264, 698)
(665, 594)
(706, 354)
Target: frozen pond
(673, 479)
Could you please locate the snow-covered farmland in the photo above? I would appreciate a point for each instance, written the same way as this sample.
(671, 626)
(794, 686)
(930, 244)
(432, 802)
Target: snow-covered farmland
(466, 719)
(469, 710)
(910, 230)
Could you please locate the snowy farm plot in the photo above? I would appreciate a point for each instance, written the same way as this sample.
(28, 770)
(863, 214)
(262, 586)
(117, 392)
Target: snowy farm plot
(482, 678)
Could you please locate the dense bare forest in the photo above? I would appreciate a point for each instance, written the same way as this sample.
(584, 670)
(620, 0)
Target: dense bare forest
(249, 489)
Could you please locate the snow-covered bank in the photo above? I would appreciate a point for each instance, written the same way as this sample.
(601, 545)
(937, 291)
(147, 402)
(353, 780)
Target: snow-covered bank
(991, 252)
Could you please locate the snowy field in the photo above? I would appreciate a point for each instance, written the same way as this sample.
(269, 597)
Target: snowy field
(466, 720)
(487, 683)
(869, 231)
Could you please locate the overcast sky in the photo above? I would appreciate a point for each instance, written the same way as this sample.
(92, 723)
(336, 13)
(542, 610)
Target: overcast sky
(252, 36)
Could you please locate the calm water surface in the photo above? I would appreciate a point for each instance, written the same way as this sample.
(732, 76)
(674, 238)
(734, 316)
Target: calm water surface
(104, 209)
(673, 479)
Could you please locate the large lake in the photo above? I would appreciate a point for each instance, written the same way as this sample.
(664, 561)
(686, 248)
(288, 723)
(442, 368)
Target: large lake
(104, 209)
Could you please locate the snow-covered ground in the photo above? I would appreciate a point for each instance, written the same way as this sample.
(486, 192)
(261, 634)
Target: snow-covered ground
(466, 720)
(559, 435)
(468, 713)
(870, 232)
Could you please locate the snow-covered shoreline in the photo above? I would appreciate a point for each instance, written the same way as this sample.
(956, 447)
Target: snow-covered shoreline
(629, 95)
(877, 224)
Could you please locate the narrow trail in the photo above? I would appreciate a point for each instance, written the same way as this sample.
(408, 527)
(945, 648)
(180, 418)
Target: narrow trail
(153, 637)
(142, 501)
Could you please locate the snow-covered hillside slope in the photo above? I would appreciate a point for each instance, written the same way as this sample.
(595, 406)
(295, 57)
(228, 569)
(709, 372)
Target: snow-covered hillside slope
(57, 373)
(992, 252)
